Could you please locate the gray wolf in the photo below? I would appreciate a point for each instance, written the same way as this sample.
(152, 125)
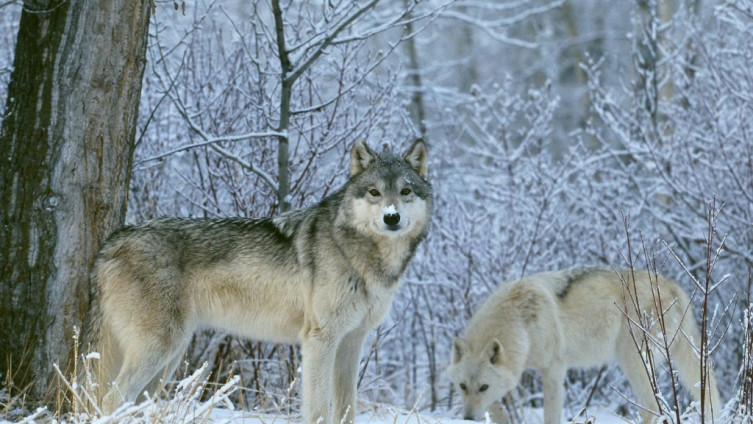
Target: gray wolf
(322, 277)
(573, 318)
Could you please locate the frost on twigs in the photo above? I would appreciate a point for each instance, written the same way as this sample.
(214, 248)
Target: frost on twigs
(181, 405)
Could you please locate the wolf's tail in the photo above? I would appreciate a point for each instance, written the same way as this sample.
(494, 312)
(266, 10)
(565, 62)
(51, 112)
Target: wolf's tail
(685, 351)
(99, 356)
(92, 320)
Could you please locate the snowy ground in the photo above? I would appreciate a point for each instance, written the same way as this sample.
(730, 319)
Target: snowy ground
(187, 405)
(379, 414)
(384, 414)
(188, 401)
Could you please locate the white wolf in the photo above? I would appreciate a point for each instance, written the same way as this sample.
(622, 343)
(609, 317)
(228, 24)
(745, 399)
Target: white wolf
(573, 318)
(322, 276)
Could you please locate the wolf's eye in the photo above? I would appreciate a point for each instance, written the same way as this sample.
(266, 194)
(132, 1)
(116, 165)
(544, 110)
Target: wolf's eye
(483, 388)
(374, 192)
(406, 191)
(463, 387)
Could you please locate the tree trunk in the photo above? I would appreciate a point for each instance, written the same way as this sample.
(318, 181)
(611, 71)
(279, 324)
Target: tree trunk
(417, 109)
(66, 145)
(286, 90)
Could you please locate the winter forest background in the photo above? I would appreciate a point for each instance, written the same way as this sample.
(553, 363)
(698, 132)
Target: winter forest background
(561, 132)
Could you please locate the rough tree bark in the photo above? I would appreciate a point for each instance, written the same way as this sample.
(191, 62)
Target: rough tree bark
(66, 145)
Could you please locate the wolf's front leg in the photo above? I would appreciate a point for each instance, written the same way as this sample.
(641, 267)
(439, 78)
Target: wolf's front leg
(319, 350)
(346, 375)
(553, 380)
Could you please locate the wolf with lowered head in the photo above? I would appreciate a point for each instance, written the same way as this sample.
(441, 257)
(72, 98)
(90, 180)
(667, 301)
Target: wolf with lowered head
(322, 277)
(578, 317)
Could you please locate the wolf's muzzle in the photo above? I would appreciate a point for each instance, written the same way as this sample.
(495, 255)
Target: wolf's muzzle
(392, 219)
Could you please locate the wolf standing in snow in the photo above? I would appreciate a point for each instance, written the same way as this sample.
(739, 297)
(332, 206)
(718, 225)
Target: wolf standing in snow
(322, 277)
(573, 318)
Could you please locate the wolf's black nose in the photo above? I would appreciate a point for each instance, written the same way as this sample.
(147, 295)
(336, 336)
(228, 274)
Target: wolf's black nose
(392, 218)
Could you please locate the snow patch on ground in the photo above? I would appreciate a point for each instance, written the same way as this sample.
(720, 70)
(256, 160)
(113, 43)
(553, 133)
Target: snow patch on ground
(386, 414)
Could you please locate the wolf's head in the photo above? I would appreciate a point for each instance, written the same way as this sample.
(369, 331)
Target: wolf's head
(389, 195)
(482, 377)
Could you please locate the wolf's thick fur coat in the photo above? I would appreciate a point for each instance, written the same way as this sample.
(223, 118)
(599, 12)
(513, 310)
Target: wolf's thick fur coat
(573, 318)
(322, 277)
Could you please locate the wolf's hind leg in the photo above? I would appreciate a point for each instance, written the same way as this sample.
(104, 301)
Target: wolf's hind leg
(158, 382)
(103, 371)
(139, 368)
(346, 375)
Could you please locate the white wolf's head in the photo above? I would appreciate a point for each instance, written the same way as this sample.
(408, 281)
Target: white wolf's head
(481, 376)
(389, 195)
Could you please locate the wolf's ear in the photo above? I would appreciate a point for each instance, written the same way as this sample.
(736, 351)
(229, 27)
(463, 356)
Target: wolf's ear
(361, 156)
(459, 348)
(494, 352)
(416, 157)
